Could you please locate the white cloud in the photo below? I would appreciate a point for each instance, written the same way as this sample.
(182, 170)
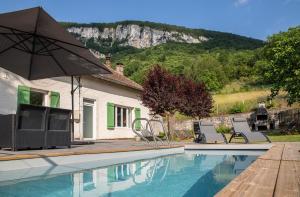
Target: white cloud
(238, 3)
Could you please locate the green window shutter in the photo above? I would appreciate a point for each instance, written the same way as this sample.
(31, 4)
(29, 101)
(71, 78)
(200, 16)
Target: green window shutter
(137, 112)
(54, 99)
(23, 95)
(110, 116)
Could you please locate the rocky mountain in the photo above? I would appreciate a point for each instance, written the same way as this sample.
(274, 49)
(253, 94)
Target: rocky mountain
(120, 36)
(135, 35)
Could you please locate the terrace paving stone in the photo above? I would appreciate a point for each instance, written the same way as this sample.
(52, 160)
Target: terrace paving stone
(276, 173)
(100, 146)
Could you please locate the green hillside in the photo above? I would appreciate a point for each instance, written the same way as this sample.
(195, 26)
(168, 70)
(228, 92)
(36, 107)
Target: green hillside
(216, 67)
(224, 58)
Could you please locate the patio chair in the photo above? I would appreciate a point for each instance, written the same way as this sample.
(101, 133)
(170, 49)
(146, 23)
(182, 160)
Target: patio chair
(242, 129)
(205, 132)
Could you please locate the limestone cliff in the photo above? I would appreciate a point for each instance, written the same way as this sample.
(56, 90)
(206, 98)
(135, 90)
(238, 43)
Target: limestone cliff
(133, 35)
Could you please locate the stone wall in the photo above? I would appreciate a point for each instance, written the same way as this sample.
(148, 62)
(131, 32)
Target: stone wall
(220, 120)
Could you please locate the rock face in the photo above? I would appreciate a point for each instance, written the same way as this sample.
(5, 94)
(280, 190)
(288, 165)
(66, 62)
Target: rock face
(134, 35)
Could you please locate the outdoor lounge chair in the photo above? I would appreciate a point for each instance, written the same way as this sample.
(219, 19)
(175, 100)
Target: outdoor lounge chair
(207, 133)
(241, 128)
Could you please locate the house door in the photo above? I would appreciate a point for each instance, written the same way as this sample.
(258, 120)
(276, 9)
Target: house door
(89, 123)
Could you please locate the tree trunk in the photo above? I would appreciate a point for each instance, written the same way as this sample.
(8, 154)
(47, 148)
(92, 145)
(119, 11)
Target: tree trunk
(168, 125)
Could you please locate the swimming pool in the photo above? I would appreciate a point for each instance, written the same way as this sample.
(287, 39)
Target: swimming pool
(193, 173)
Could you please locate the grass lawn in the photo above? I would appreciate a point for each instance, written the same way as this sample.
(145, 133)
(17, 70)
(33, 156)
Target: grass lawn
(224, 103)
(241, 96)
(273, 138)
(285, 138)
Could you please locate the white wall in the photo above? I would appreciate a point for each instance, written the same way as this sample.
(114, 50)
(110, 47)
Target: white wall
(8, 90)
(106, 92)
(99, 90)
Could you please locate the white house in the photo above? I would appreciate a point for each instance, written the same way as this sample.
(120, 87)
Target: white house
(105, 106)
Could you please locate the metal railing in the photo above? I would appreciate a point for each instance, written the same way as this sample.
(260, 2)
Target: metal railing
(147, 131)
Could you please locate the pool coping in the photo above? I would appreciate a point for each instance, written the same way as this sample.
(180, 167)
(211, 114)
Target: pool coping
(15, 170)
(228, 146)
(71, 152)
(275, 173)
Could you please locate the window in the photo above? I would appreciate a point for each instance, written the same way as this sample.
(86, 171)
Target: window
(37, 98)
(32, 96)
(122, 116)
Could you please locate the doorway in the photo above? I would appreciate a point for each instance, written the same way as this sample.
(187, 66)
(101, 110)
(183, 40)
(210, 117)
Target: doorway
(89, 123)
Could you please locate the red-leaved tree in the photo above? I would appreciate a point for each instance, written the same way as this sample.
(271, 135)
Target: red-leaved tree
(195, 100)
(160, 93)
(165, 93)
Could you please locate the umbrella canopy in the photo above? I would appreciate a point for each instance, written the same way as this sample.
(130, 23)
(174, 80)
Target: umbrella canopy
(35, 46)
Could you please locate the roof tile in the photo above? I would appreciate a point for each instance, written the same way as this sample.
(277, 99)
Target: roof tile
(119, 79)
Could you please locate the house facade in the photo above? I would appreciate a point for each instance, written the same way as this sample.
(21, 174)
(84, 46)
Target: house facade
(105, 105)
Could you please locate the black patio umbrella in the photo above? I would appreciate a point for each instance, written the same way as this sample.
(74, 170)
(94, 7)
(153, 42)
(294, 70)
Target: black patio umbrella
(35, 46)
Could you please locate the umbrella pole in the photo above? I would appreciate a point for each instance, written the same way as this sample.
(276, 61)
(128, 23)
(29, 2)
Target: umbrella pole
(72, 93)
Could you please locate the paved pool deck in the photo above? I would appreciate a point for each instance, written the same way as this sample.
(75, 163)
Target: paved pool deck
(113, 146)
(275, 173)
(101, 146)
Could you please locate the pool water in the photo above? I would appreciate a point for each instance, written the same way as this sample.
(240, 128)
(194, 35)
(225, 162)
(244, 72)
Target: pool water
(188, 174)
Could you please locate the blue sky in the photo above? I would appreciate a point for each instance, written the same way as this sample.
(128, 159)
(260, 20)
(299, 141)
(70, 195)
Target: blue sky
(253, 18)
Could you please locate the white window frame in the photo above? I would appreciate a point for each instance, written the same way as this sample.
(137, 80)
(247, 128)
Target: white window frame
(128, 114)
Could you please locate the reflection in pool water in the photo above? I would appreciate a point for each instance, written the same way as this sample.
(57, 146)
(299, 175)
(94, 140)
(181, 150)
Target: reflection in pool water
(176, 175)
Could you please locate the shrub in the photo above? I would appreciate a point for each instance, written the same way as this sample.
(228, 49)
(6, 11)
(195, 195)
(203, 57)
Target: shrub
(237, 108)
(245, 88)
(223, 129)
(161, 135)
(270, 104)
